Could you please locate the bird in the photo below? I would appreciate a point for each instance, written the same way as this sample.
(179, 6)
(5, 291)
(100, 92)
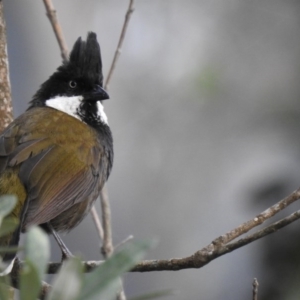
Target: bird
(58, 154)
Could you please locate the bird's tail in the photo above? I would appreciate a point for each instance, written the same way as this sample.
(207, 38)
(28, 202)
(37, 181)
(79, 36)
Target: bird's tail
(11, 184)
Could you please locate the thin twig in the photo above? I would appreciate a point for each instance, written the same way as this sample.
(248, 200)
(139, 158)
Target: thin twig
(120, 43)
(259, 219)
(255, 289)
(5, 92)
(97, 222)
(121, 294)
(51, 14)
(212, 251)
(15, 280)
(107, 247)
(259, 234)
(129, 238)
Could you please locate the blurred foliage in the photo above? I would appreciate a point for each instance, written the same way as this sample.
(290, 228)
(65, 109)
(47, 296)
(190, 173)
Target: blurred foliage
(207, 82)
(70, 283)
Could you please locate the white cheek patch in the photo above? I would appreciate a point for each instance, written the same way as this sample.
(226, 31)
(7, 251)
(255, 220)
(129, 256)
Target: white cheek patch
(67, 105)
(101, 113)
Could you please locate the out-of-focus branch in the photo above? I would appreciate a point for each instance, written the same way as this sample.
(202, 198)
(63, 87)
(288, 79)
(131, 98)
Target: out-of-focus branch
(107, 247)
(120, 43)
(6, 116)
(255, 289)
(51, 14)
(105, 234)
(15, 275)
(97, 222)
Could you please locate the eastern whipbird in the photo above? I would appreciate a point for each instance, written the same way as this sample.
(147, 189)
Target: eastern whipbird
(57, 155)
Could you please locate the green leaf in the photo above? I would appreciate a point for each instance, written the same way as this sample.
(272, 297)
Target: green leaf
(68, 281)
(37, 254)
(30, 283)
(8, 226)
(102, 283)
(4, 291)
(154, 295)
(37, 249)
(7, 204)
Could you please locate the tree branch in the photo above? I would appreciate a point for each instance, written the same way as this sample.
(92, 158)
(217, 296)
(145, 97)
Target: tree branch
(120, 43)
(105, 234)
(51, 14)
(217, 247)
(97, 222)
(5, 92)
(107, 247)
(15, 276)
(259, 219)
(255, 289)
(212, 251)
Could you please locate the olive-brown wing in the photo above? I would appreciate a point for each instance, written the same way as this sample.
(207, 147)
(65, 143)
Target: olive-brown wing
(56, 181)
(57, 167)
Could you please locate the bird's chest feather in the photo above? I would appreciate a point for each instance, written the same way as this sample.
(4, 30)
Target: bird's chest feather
(61, 128)
(50, 127)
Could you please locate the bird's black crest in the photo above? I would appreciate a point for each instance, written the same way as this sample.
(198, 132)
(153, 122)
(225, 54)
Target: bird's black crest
(85, 59)
(84, 66)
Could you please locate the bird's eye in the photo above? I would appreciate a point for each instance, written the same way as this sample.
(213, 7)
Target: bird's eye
(72, 84)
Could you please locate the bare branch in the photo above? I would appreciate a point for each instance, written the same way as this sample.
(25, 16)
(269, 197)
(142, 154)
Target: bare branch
(129, 238)
(120, 43)
(215, 249)
(105, 234)
(255, 289)
(15, 275)
(261, 233)
(107, 247)
(51, 14)
(5, 93)
(97, 222)
(259, 219)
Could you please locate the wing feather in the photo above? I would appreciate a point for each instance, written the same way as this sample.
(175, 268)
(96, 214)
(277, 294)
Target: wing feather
(58, 173)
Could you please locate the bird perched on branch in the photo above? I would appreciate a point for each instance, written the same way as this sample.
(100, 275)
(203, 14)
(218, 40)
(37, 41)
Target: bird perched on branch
(57, 156)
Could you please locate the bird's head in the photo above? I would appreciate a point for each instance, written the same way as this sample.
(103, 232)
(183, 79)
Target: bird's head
(76, 87)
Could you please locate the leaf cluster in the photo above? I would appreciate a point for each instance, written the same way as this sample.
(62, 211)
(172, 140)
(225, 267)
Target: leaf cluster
(71, 283)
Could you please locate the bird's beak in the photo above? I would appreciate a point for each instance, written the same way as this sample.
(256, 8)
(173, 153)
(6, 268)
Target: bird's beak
(98, 94)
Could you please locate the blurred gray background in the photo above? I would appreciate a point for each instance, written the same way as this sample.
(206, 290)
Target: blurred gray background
(205, 113)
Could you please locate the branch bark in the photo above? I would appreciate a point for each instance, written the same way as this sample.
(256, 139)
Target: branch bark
(51, 14)
(106, 233)
(6, 116)
(120, 43)
(15, 275)
(218, 247)
(255, 289)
